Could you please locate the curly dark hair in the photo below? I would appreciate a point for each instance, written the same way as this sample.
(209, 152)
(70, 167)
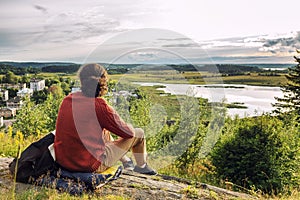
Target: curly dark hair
(93, 78)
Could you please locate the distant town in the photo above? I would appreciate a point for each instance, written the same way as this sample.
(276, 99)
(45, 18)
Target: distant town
(10, 104)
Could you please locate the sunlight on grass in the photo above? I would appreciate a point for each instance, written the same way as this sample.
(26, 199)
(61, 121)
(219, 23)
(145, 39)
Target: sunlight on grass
(198, 78)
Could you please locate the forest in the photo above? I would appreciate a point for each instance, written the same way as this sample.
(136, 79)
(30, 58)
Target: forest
(69, 68)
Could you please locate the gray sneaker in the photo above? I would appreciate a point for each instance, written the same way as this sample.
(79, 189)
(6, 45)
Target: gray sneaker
(145, 170)
(128, 165)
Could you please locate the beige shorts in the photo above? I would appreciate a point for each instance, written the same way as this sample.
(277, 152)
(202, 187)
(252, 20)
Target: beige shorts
(116, 149)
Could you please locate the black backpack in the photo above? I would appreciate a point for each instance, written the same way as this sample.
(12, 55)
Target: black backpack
(34, 161)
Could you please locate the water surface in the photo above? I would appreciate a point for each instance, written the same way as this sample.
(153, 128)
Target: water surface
(257, 99)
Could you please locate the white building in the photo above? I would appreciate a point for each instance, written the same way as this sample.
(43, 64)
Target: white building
(15, 102)
(1, 121)
(25, 92)
(123, 93)
(8, 112)
(4, 95)
(37, 84)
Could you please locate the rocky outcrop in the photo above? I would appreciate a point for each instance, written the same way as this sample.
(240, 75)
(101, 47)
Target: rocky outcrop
(137, 186)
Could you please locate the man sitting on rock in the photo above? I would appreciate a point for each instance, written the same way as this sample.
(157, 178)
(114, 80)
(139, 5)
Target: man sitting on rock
(83, 142)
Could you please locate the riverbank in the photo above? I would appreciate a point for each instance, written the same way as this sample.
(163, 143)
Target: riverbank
(241, 100)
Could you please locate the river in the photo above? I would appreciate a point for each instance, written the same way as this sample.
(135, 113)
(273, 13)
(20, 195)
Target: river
(257, 99)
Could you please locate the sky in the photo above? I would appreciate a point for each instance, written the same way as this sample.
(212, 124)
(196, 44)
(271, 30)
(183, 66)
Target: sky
(150, 31)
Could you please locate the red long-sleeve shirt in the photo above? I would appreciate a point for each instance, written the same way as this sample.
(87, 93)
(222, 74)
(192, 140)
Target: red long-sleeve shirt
(78, 141)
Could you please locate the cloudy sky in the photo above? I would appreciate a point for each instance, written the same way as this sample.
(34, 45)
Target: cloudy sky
(231, 31)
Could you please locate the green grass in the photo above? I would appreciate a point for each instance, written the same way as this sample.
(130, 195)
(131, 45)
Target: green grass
(42, 193)
(200, 78)
(255, 79)
(171, 103)
(51, 75)
(173, 76)
(191, 192)
(11, 144)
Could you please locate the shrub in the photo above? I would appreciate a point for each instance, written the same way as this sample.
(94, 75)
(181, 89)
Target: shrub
(261, 153)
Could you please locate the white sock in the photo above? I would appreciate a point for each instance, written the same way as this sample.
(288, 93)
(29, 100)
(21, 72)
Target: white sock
(144, 165)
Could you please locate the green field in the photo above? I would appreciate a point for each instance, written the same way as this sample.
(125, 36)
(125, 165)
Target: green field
(200, 78)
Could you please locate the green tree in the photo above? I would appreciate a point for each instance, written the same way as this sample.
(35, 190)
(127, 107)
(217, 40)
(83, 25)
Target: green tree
(56, 90)
(65, 87)
(12, 92)
(35, 119)
(10, 77)
(291, 100)
(203, 124)
(50, 110)
(30, 119)
(25, 79)
(122, 106)
(261, 153)
(39, 96)
(140, 111)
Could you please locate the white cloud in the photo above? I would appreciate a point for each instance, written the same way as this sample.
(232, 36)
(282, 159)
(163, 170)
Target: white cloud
(142, 56)
(74, 27)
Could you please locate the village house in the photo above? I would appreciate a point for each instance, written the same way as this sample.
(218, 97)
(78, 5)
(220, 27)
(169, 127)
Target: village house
(4, 95)
(37, 84)
(25, 92)
(12, 86)
(15, 102)
(7, 112)
(123, 93)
